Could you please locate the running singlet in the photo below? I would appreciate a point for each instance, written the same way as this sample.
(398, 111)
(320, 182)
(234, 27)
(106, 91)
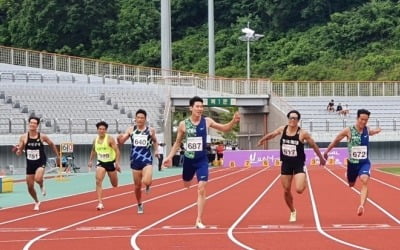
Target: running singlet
(34, 152)
(292, 149)
(195, 141)
(105, 153)
(358, 145)
(141, 145)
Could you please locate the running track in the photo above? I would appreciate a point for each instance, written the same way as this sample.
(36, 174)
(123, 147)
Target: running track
(244, 210)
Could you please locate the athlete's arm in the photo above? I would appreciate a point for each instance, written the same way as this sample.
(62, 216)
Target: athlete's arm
(307, 137)
(342, 134)
(155, 142)
(270, 135)
(92, 154)
(224, 127)
(179, 138)
(49, 142)
(113, 144)
(121, 138)
(21, 145)
(374, 131)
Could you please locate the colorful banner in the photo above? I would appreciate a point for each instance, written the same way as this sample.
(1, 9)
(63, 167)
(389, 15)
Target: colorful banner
(265, 158)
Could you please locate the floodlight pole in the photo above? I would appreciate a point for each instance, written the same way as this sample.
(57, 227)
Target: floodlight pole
(249, 37)
(211, 40)
(248, 54)
(166, 48)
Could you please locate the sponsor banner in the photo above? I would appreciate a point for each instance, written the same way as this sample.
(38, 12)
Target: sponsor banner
(265, 158)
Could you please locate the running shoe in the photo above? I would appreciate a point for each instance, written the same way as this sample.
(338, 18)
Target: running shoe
(200, 225)
(360, 210)
(293, 216)
(36, 207)
(100, 206)
(140, 208)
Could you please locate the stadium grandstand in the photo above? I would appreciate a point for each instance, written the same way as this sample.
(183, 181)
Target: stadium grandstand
(72, 94)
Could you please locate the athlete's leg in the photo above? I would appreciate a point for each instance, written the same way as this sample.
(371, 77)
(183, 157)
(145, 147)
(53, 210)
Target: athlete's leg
(100, 173)
(286, 181)
(30, 181)
(137, 179)
(363, 193)
(201, 200)
(300, 182)
(188, 171)
(113, 176)
(39, 179)
(147, 175)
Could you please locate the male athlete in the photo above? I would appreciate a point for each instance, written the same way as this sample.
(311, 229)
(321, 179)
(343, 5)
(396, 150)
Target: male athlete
(142, 138)
(193, 132)
(293, 157)
(32, 144)
(107, 152)
(358, 164)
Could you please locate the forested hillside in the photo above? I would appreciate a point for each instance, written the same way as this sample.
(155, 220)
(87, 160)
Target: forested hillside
(303, 39)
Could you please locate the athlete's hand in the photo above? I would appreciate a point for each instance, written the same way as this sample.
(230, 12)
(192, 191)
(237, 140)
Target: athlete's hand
(326, 155)
(120, 140)
(322, 161)
(167, 162)
(236, 117)
(90, 163)
(118, 167)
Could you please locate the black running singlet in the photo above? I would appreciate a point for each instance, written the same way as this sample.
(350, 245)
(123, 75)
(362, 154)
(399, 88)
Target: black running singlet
(292, 149)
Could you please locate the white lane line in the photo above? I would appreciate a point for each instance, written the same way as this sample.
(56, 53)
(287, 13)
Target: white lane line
(134, 237)
(91, 201)
(87, 192)
(318, 223)
(31, 242)
(385, 172)
(384, 183)
(377, 180)
(368, 199)
(230, 231)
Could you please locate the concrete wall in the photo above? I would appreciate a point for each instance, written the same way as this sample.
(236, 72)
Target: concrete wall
(252, 126)
(276, 118)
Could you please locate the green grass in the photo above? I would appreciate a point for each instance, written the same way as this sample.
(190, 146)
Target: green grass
(395, 171)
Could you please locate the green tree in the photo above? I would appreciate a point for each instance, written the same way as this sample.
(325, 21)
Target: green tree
(138, 23)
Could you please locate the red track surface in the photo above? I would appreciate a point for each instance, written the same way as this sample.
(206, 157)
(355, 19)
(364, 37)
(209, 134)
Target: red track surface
(245, 210)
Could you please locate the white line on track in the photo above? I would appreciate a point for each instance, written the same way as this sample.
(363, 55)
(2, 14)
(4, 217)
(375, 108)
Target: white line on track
(88, 202)
(230, 231)
(377, 180)
(384, 183)
(134, 237)
(368, 199)
(388, 173)
(318, 223)
(31, 242)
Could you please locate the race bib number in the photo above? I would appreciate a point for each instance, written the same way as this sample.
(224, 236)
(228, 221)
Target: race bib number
(359, 152)
(33, 154)
(140, 140)
(289, 150)
(103, 157)
(194, 144)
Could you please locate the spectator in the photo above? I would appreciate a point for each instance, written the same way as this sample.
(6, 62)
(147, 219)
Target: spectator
(330, 106)
(345, 111)
(339, 109)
